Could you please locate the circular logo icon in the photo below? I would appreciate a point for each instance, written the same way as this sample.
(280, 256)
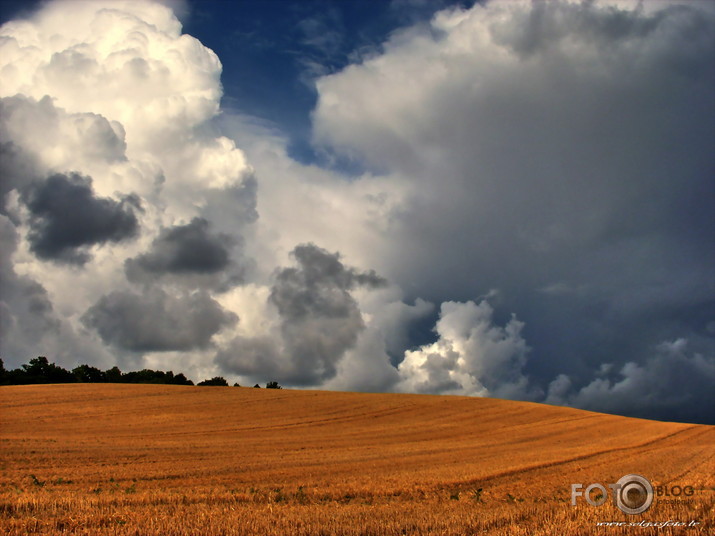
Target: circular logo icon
(634, 494)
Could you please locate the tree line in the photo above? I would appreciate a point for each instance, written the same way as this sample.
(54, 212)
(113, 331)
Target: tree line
(40, 370)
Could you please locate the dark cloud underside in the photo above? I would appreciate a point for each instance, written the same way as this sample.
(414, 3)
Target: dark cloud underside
(320, 320)
(187, 248)
(156, 321)
(67, 218)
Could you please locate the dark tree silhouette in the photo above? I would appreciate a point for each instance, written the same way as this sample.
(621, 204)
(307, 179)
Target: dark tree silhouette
(180, 379)
(40, 370)
(273, 385)
(89, 374)
(114, 375)
(217, 380)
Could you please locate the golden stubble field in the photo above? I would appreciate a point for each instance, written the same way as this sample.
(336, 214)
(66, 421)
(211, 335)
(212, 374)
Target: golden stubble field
(174, 460)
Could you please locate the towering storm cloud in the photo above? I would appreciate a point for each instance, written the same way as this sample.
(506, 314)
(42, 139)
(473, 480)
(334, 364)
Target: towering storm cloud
(123, 207)
(531, 181)
(561, 153)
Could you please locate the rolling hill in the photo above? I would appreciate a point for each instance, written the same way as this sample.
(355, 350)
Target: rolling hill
(117, 459)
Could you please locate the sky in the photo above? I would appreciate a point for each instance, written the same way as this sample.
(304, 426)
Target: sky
(504, 198)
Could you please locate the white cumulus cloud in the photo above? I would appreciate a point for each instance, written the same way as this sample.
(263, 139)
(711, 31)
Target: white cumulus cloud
(472, 355)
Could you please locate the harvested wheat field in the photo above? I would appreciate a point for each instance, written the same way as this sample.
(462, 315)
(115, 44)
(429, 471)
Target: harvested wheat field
(170, 460)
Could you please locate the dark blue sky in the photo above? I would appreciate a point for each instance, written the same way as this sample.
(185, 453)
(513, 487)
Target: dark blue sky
(272, 50)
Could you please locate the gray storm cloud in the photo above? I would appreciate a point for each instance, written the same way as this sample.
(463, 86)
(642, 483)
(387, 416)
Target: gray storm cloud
(190, 254)
(66, 218)
(156, 321)
(649, 390)
(25, 306)
(559, 152)
(189, 248)
(319, 320)
(562, 153)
